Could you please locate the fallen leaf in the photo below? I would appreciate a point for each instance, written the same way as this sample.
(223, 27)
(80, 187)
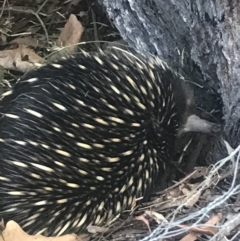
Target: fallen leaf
(143, 219)
(192, 199)
(96, 229)
(13, 232)
(200, 172)
(192, 196)
(206, 228)
(157, 216)
(21, 59)
(71, 34)
(174, 193)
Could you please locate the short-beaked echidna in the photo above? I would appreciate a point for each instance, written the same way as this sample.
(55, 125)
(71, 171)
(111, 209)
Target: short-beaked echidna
(81, 139)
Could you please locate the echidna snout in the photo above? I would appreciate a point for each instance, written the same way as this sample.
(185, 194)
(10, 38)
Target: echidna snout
(195, 124)
(81, 139)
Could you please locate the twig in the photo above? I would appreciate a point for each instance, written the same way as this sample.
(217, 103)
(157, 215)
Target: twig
(95, 28)
(20, 10)
(3, 6)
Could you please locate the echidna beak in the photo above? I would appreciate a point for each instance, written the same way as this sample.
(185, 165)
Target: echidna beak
(196, 124)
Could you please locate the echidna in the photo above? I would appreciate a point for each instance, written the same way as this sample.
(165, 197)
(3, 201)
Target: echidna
(82, 138)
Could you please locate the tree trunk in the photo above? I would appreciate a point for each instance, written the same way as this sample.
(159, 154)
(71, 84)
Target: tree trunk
(199, 38)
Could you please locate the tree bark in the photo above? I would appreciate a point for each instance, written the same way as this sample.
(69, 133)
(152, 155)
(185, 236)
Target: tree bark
(199, 38)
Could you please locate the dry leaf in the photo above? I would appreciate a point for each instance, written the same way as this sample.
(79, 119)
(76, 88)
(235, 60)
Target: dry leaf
(200, 172)
(195, 232)
(96, 229)
(174, 193)
(13, 232)
(204, 230)
(21, 59)
(191, 196)
(157, 216)
(192, 199)
(143, 219)
(71, 33)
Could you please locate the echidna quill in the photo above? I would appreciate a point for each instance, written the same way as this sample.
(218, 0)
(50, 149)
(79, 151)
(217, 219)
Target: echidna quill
(82, 138)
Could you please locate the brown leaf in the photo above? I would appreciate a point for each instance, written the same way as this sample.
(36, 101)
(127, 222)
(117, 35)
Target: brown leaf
(191, 199)
(173, 193)
(96, 229)
(195, 232)
(143, 219)
(13, 232)
(200, 172)
(192, 196)
(204, 230)
(71, 33)
(157, 216)
(21, 59)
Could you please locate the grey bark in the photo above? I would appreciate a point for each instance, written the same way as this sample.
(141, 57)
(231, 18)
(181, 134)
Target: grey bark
(200, 38)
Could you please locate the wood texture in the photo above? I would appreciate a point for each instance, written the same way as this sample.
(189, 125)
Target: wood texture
(200, 38)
